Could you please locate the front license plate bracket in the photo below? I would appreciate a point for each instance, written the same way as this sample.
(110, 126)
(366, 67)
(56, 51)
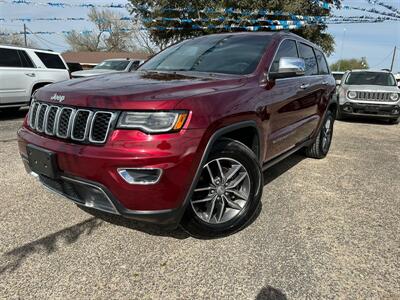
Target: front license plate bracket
(42, 161)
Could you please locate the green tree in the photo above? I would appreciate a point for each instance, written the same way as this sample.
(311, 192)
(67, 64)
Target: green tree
(350, 64)
(151, 10)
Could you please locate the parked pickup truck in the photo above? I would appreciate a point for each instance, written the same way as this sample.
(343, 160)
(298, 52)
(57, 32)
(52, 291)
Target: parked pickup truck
(186, 138)
(24, 70)
(369, 93)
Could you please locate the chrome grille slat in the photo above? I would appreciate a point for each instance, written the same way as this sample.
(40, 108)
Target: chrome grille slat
(98, 134)
(81, 125)
(64, 122)
(51, 118)
(41, 117)
(374, 96)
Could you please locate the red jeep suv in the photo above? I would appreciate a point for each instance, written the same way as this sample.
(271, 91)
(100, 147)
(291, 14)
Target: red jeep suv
(186, 137)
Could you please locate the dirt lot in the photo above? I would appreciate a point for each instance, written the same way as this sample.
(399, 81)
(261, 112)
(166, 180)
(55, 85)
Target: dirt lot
(328, 228)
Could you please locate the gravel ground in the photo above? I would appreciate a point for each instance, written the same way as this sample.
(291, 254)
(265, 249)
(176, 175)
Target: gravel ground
(327, 228)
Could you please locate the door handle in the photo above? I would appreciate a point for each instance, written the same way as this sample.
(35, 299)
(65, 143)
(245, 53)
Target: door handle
(304, 86)
(30, 74)
(325, 82)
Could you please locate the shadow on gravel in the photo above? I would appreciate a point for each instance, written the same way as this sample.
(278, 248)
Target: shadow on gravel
(48, 244)
(270, 293)
(280, 168)
(147, 228)
(7, 115)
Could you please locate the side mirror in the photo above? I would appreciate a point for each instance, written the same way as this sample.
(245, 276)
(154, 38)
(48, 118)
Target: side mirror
(289, 67)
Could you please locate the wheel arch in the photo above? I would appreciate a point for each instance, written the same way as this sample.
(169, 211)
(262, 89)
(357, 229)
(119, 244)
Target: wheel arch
(215, 137)
(39, 85)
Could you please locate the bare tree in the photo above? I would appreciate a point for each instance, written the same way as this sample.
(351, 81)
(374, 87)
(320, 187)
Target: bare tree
(143, 41)
(14, 39)
(111, 33)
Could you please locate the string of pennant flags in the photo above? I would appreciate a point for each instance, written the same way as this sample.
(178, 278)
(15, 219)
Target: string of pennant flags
(325, 20)
(385, 5)
(65, 4)
(231, 18)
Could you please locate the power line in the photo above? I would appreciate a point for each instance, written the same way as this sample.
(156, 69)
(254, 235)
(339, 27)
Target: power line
(43, 39)
(383, 60)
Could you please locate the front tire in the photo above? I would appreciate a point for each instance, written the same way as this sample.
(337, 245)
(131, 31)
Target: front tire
(320, 148)
(227, 194)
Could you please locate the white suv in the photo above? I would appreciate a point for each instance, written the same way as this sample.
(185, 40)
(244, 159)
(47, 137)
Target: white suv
(24, 70)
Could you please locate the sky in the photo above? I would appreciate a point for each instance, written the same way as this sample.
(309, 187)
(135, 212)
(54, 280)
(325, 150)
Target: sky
(375, 41)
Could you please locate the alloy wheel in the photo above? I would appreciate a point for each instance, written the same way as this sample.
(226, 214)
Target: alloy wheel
(326, 134)
(222, 192)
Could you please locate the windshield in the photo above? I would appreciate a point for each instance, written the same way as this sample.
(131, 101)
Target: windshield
(370, 78)
(229, 54)
(118, 65)
(337, 76)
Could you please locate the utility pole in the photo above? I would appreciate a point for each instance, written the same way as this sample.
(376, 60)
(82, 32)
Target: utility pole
(26, 44)
(341, 50)
(394, 55)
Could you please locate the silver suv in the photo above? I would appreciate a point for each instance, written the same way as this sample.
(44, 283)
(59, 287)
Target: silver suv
(369, 93)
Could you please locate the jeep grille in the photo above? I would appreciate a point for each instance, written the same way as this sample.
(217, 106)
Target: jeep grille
(82, 125)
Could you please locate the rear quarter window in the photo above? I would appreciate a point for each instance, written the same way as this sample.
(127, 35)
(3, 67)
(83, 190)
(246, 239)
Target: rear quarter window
(307, 53)
(322, 64)
(51, 61)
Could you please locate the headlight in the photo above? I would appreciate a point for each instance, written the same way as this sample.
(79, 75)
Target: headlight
(153, 122)
(352, 95)
(394, 96)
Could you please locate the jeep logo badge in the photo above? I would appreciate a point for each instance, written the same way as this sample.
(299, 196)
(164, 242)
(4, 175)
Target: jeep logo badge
(57, 97)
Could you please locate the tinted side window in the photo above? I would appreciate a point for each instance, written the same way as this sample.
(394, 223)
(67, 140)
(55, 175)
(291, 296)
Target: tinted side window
(25, 59)
(322, 65)
(51, 61)
(288, 48)
(9, 58)
(307, 53)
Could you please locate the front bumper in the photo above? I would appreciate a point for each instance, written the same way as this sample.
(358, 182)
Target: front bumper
(88, 175)
(371, 109)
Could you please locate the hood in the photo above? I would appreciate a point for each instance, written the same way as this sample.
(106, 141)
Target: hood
(372, 88)
(131, 90)
(92, 72)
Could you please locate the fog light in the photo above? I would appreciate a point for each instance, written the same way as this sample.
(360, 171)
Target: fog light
(140, 176)
(347, 107)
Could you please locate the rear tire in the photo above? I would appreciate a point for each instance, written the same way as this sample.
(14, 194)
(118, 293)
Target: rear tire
(320, 148)
(227, 194)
